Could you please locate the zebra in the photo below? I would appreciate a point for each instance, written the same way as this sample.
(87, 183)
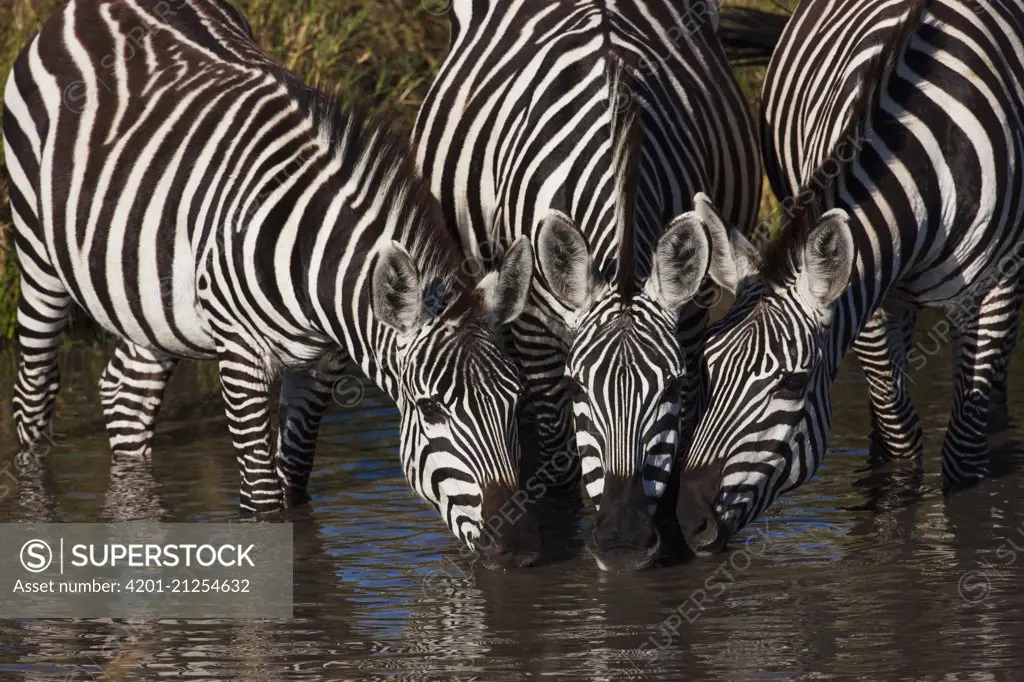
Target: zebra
(200, 201)
(898, 127)
(608, 134)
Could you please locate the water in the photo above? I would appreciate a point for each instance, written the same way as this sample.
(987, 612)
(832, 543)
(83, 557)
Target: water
(859, 574)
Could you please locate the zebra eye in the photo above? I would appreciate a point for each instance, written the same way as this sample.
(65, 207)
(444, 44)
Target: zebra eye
(792, 386)
(432, 411)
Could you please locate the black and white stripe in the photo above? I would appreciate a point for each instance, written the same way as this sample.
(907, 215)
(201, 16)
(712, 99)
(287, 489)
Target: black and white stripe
(198, 200)
(896, 130)
(604, 132)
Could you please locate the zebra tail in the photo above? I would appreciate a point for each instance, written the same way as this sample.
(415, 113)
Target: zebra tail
(749, 35)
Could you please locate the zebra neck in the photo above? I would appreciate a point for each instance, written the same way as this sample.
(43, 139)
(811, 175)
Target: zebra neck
(869, 287)
(341, 296)
(340, 307)
(346, 190)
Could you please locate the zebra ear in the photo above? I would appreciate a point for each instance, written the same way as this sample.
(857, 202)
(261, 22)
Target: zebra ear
(827, 259)
(680, 262)
(722, 269)
(395, 290)
(565, 259)
(745, 256)
(504, 291)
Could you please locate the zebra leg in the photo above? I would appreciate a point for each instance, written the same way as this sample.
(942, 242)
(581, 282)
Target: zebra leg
(43, 306)
(882, 348)
(131, 392)
(305, 395)
(981, 332)
(245, 385)
(999, 415)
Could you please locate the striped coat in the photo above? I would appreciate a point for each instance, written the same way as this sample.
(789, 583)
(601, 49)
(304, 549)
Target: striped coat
(897, 129)
(198, 200)
(606, 133)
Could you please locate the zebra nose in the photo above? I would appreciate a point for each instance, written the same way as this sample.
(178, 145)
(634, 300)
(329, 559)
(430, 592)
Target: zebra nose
(510, 537)
(702, 529)
(503, 553)
(704, 533)
(624, 537)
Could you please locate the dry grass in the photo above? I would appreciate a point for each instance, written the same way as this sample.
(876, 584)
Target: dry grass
(385, 52)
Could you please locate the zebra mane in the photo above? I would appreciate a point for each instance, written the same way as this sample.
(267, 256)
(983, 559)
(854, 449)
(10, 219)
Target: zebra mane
(779, 259)
(388, 167)
(627, 134)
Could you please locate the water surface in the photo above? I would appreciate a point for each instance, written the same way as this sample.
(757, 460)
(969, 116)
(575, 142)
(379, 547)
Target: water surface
(861, 574)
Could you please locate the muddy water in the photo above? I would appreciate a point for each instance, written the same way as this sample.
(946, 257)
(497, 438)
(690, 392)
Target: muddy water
(862, 573)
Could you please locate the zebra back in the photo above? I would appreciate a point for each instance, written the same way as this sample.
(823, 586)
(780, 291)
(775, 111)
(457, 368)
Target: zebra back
(828, 110)
(819, 93)
(533, 131)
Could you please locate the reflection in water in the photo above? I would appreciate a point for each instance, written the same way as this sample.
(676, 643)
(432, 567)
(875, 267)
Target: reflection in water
(865, 572)
(132, 494)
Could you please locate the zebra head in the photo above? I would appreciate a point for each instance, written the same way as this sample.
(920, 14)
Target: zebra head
(626, 370)
(767, 369)
(459, 397)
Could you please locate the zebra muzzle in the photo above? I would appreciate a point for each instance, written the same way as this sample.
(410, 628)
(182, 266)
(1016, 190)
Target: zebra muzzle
(703, 531)
(510, 535)
(625, 537)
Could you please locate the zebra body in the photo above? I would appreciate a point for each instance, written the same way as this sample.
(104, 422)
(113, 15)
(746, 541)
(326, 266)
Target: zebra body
(589, 128)
(898, 130)
(198, 200)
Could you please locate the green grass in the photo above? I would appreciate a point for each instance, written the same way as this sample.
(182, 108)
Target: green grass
(381, 52)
